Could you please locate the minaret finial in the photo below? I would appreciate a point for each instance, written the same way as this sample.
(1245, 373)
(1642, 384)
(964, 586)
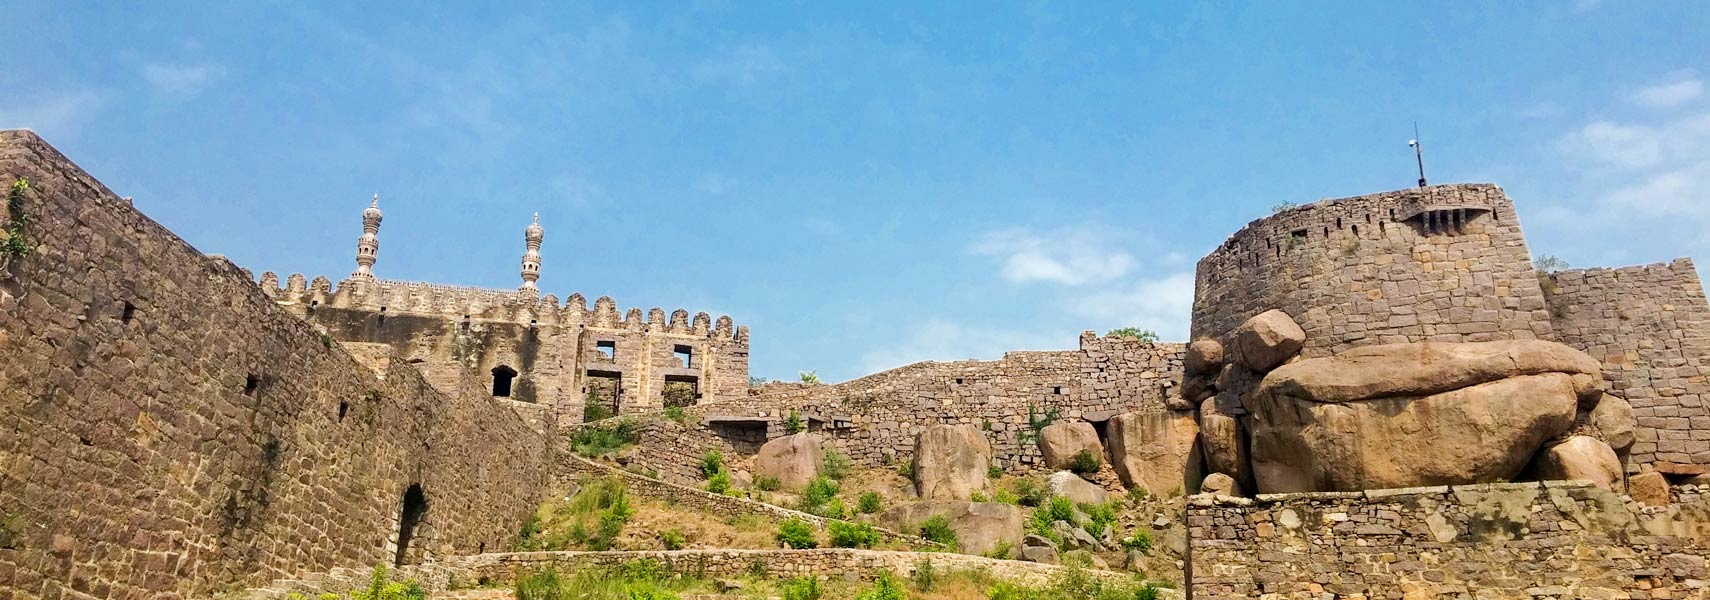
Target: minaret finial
(531, 256)
(368, 246)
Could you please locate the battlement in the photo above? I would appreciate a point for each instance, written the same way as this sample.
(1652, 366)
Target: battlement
(1435, 210)
(523, 306)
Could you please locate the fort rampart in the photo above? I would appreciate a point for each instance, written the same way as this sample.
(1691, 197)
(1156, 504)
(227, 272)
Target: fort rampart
(170, 431)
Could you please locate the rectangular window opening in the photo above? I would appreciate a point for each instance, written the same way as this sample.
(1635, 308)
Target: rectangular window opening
(685, 354)
(607, 349)
(681, 390)
(601, 393)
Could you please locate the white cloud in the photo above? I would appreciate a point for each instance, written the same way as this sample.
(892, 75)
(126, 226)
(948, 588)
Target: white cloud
(52, 114)
(944, 340)
(183, 80)
(1541, 110)
(1679, 192)
(1067, 256)
(1164, 305)
(1626, 146)
(1667, 95)
(715, 184)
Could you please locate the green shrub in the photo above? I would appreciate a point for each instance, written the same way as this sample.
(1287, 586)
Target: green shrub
(1085, 462)
(14, 246)
(542, 584)
(673, 539)
(1141, 540)
(796, 533)
(720, 482)
(994, 471)
(1099, 516)
(592, 410)
(793, 423)
(978, 497)
(938, 529)
(1005, 496)
(852, 535)
(906, 469)
(380, 588)
(886, 588)
(1144, 335)
(868, 503)
(924, 576)
(819, 491)
(676, 413)
(1004, 590)
(1029, 492)
(802, 588)
(1136, 495)
(767, 483)
(596, 440)
(834, 509)
(1146, 592)
(526, 539)
(1058, 508)
(711, 463)
(1000, 550)
(835, 465)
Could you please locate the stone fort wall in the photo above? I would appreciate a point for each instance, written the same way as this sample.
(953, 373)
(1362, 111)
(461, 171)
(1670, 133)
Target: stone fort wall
(168, 431)
(1505, 540)
(555, 350)
(1441, 263)
(874, 419)
(1650, 326)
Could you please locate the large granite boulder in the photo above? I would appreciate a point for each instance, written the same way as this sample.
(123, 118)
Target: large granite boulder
(1649, 488)
(1222, 439)
(1155, 451)
(1613, 419)
(980, 526)
(1081, 491)
(1204, 357)
(1268, 339)
(1579, 457)
(1404, 415)
(793, 459)
(950, 462)
(1039, 549)
(1059, 443)
(1218, 484)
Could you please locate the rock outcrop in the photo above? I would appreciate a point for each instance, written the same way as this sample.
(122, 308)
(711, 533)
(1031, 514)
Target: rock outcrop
(1222, 440)
(1204, 357)
(1060, 442)
(1220, 485)
(1405, 415)
(950, 462)
(1579, 457)
(1154, 451)
(1081, 491)
(980, 526)
(1614, 422)
(793, 459)
(1267, 339)
(1649, 488)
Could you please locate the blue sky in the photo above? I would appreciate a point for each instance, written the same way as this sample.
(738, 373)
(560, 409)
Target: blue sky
(864, 184)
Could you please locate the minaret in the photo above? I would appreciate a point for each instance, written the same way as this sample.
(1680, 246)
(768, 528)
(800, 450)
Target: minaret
(368, 245)
(531, 257)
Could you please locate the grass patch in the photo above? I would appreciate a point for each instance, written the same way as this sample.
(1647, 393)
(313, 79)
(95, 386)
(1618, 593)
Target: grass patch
(598, 440)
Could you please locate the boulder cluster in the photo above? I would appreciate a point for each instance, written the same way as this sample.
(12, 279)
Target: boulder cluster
(1399, 415)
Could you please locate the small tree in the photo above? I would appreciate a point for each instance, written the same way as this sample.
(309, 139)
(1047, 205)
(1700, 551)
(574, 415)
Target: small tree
(793, 423)
(1549, 264)
(796, 533)
(810, 376)
(1144, 335)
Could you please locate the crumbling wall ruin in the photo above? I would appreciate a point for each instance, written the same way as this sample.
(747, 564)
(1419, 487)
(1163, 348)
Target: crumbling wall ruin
(167, 430)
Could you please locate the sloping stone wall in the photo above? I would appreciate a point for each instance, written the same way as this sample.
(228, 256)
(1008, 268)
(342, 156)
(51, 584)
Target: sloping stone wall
(1507, 540)
(167, 430)
(1650, 327)
(874, 419)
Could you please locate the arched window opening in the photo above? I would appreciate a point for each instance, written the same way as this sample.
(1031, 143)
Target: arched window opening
(409, 517)
(502, 376)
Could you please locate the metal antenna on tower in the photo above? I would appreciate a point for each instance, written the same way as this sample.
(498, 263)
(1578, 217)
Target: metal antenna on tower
(1418, 153)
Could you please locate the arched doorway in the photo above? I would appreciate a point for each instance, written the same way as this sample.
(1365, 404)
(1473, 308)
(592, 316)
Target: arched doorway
(414, 506)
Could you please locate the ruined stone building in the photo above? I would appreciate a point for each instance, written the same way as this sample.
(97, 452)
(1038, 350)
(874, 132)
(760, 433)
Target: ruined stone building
(563, 361)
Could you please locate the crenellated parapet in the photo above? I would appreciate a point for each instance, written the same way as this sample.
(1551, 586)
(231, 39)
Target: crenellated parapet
(516, 306)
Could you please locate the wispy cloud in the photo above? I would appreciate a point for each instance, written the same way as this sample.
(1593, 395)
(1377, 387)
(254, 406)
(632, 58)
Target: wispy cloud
(58, 113)
(1162, 304)
(716, 184)
(1680, 89)
(944, 340)
(1063, 256)
(180, 79)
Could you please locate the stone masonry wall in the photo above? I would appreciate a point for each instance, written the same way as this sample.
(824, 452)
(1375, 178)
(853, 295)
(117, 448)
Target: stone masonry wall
(168, 431)
(874, 419)
(1650, 326)
(451, 332)
(1442, 263)
(1507, 540)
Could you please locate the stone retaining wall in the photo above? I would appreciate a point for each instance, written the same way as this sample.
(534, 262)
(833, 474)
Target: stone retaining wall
(1507, 540)
(865, 565)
